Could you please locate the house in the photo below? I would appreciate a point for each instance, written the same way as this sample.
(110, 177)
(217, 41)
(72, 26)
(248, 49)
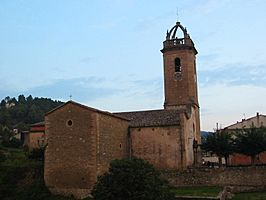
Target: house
(35, 138)
(257, 121)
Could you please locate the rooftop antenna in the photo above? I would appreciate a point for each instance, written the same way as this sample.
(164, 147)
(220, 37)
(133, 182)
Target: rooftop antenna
(70, 97)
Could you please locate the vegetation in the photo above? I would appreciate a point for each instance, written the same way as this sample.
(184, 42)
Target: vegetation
(219, 143)
(21, 112)
(36, 154)
(203, 191)
(22, 178)
(251, 142)
(131, 179)
(250, 196)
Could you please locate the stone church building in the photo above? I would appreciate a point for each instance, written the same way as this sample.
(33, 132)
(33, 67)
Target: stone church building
(82, 141)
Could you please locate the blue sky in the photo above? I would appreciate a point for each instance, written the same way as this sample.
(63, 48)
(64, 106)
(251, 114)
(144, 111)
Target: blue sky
(106, 53)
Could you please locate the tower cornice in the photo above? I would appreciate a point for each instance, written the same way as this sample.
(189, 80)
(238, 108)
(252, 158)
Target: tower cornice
(181, 47)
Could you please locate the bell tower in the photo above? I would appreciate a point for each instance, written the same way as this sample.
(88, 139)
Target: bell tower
(180, 87)
(180, 76)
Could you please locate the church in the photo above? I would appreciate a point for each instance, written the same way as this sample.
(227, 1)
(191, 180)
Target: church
(82, 141)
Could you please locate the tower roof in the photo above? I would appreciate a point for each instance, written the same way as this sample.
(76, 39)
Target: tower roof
(173, 42)
(172, 34)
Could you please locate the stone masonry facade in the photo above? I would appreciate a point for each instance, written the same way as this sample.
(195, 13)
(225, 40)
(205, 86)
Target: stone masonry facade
(82, 141)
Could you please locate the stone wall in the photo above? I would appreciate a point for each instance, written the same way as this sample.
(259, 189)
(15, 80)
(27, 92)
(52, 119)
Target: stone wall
(158, 145)
(235, 176)
(112, 141)
(180, 90)
(81, 144)
(34, 140)
(70, 157)
(190, 129)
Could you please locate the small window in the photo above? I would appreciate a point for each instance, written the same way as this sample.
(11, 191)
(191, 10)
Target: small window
(120, 145)
(177, 65)
(69, 123)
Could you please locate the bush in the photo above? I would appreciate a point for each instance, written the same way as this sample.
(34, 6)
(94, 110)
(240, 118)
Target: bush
(36, 154)
(2, 156)
(13, 143)
(133, 179)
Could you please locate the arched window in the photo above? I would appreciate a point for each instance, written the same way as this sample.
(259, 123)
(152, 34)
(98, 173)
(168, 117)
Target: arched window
(177, 65)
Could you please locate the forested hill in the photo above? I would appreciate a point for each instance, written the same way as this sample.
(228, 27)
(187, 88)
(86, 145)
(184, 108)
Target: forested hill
(22, 111)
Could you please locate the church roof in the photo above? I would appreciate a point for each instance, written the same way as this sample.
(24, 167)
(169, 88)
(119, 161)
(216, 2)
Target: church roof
(152, 118)
(87, 108)
(42, 123)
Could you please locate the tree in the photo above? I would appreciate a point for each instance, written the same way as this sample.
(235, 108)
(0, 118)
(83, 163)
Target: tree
(21, 99)
(20, 114)
(3, 103)
(251, 142)
(29, 99)
(219, 143)
(7, 99)
(6, 133)
(133, 179)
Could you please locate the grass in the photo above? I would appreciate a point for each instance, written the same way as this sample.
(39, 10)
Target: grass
(197, 191)
(250, 196)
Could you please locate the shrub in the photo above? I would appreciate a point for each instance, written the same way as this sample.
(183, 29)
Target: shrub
(133, 179)
(2, 156)
(36, 154)
(13, 143)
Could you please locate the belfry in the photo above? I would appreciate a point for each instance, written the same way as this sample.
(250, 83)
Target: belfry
(180, 76)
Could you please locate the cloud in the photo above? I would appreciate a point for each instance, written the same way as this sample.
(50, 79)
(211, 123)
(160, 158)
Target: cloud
(207, 57)
(79, 88)
(109, 94)
(234, 75)
(137, 94)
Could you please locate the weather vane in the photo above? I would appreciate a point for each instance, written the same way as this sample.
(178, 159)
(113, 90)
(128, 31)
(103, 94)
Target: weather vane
(177, 14)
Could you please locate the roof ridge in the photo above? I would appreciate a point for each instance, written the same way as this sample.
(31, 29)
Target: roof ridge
(86, 107)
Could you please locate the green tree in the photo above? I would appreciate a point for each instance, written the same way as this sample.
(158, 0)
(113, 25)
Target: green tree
(251, 142)
(21, 99)
(29, 99)
(133, 179)
(219, 143)
(20, 114)
(7, 99)
(3, 103)
(6, 134)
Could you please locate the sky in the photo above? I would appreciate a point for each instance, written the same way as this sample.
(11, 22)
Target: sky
(106, 54)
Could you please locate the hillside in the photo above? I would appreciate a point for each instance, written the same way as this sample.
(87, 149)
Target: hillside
(20, 112)
(205, 133)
